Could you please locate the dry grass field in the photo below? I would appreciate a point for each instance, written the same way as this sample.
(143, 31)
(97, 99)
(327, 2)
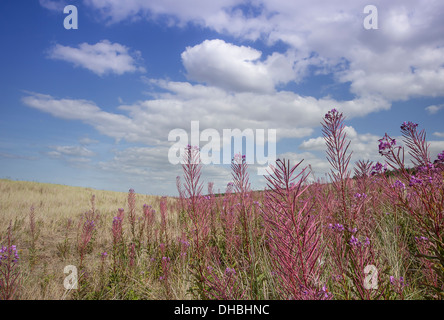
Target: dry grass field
(58, 210)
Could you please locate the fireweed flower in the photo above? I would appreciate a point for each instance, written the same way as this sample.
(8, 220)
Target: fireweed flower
(378, 168)
(408, 126)
(332, 114)
(89, 224)
(238, 158)
(386, 143)
(367, 242)
(383, 145)
(116, 220)
(399, 184)
(396, 282)
(414, 180)
(9, 252)
(359, 195)
(426, 168)
(185, 243)
(336, 227)
(230, 271)
(354, 241)
(324, 291)
(166, 260)
(440, 157)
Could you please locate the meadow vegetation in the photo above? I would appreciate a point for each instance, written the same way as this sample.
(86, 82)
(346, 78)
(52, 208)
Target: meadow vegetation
(374, 231)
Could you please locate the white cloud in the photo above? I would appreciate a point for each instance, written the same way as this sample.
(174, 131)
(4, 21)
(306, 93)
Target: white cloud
(78, 160)
(142, 164)
(101, 58)
(433, 109)
(70, 151)
(403, 58)
(53, 5)
(435, 148)
(76, 156)
(363, 146)
(113, 125)
(396, 74)
(228, 66)
(199, 11)
(439, 134)
(238, 68)
(313, 144)
(87, 141)
(150, 121)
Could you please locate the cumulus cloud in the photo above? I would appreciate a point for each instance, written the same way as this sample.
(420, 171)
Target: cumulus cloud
(113, 125)
(396, 74)
(150, 121)
(101, 58)
(238, 68)
(403, 58)
(363, 145)
(435, 148)
(174, 107)
(313, 144)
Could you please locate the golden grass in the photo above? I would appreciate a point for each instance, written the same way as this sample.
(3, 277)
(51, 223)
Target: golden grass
(54, 205)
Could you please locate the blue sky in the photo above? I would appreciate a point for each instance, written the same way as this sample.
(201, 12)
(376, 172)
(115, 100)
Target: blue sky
(93, 107)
